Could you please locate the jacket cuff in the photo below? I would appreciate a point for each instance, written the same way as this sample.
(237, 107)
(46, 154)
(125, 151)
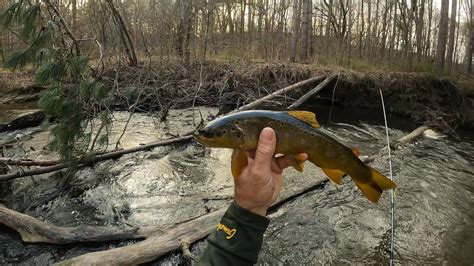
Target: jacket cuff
(240, 232)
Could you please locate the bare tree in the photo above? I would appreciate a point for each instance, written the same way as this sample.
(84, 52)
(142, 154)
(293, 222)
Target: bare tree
(294, 30)
(452, 32)
(442, 37)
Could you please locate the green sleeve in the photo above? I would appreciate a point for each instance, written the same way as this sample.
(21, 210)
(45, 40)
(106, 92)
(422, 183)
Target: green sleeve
(237, 239)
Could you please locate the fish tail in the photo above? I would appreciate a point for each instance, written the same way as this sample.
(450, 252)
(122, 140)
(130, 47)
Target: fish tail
(377, 184)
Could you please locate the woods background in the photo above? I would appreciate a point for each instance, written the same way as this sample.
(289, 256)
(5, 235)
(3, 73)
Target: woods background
(416, 35)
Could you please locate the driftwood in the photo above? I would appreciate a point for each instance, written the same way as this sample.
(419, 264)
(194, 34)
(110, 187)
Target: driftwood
(312, 92)
(94, 159)
(36, 231)
(414, 134)
(262, 100)
(153, 247)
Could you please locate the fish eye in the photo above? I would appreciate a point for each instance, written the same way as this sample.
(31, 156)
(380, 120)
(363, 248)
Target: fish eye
(206, 133)
(224, 131)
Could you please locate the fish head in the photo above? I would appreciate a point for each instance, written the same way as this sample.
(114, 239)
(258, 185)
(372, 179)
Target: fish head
(221, 134)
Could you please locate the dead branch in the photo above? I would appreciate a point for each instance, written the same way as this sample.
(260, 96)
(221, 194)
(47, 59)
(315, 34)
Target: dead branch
(26, 162)
(407, 138)
(93, 159)
(287, 89)
(312, 92)
(36, 231)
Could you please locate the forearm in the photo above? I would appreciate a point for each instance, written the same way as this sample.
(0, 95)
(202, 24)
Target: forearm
(237, 239)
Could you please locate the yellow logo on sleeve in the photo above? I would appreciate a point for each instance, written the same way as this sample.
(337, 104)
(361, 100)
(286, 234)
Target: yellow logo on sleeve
(229, 232)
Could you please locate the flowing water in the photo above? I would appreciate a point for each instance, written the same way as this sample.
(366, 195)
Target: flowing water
(329, 225)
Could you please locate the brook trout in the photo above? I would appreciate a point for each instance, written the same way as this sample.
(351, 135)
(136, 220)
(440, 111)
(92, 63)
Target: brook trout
(296, 132)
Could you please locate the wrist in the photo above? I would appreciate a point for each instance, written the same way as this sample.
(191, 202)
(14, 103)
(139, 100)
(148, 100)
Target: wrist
(262, 211)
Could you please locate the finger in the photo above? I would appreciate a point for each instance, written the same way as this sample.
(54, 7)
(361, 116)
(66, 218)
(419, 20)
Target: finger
(284, 161)
(287, 160)
(265, 148)
(301, 157)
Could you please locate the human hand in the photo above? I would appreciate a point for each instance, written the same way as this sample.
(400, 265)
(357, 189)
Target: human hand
(259, 185)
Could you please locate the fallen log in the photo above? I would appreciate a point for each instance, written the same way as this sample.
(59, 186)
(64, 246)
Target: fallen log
(93, 159)
(411, 136)
(312, 92)
(287, 89)
(33, 230)
(152, 247)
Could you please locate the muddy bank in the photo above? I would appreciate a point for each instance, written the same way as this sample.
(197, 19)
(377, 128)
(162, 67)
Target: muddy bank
(422, 98)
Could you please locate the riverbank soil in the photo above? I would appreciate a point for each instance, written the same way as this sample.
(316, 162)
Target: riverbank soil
(442, 103)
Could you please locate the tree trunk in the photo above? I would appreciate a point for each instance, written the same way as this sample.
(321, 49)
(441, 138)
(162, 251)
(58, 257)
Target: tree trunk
(419, 31)
(294, 31)
(184, 29)
(309, 6)
(74, 14)
(442, 37)
(361, 29)
(470, 42)
(394, 33)
(349, 31)
(452, 32)
(368, 38)
(125, 35)
(385, 23)
(428, 35)
(305, 31)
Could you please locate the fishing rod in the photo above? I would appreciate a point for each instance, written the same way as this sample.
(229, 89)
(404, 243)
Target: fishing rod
(392, 192)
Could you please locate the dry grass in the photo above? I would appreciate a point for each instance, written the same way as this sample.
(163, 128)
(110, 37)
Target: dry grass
(13, 81)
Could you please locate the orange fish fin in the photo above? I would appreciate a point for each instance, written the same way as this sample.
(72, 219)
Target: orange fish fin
(373, 190)
(383, 182)
(297, 164)
(334, 174)
(238, 162)
(356, 151)
(305, 116)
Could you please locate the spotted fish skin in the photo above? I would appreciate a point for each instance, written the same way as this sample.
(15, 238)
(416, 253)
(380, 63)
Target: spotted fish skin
(296, 132)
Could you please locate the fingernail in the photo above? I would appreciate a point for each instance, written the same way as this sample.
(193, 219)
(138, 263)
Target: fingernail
(267, 134)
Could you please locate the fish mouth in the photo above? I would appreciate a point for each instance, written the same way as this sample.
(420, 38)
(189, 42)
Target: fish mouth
(200, 138)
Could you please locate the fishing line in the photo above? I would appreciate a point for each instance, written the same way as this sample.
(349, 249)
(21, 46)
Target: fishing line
(392, 192)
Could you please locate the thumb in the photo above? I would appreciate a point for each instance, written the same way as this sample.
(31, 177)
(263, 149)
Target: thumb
(265, 148)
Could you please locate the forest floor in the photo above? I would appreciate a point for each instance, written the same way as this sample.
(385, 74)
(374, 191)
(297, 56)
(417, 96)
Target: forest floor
(424, 98)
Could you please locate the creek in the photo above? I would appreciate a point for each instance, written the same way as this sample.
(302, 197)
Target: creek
(327, 225)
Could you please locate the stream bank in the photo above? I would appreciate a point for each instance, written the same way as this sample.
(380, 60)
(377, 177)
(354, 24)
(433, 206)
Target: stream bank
(442, 103)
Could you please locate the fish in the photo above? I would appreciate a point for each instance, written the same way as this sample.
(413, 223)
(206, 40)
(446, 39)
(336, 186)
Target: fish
(296, 132)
